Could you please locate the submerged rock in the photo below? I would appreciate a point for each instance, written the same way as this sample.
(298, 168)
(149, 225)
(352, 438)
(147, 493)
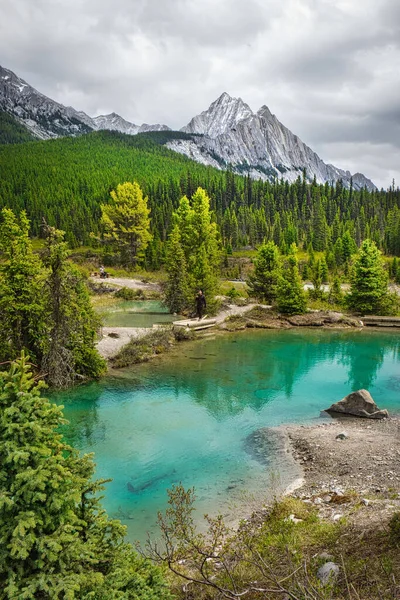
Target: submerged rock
(358, 404)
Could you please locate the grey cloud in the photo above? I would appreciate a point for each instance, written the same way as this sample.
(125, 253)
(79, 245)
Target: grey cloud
(327, 68)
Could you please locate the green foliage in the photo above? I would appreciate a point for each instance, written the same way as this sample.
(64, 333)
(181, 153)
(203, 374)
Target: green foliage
(335, 295)
(291, 298)
(23, 310)
(12, 132)
(368, 291)
(126, 293)
(263, 283)
(45, 305)
(56, 541)
(143, 349)
(194, 255)
(177, 285)
(126, 222)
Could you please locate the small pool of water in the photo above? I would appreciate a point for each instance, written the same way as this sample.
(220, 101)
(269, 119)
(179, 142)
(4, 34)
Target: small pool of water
(189, 417)
(136, 313)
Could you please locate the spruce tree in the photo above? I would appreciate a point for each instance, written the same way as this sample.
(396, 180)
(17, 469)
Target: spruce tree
(23, 312)
(291, 298)
(70, 351)
(263, 282)
(200, 243)
(176, 290)
(369, 280)
(55, 539)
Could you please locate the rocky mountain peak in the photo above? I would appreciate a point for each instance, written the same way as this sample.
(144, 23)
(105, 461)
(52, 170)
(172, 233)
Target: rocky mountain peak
(222, 114)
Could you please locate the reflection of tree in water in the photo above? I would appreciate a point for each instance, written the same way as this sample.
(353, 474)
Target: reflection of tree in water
(252, 370)
(363, 358)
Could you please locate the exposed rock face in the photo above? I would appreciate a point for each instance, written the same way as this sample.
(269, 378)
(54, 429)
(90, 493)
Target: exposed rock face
(228, 133)
(45, 118)
(358, 404)
(255, 143)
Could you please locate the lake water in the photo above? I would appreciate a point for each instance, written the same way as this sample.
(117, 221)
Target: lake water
(187, 417)
(136, 313)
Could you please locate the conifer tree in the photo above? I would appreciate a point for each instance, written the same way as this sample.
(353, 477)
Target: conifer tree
(200, 243)
(22, 279)
(263, 282)
(126, 222)
(55, 539)
(176, 291)
(368, 291)
(70, 349)
(335, 295)
(291, 298)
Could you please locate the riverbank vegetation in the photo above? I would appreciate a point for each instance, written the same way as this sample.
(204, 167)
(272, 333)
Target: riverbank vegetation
(45, 306)
(56, 541)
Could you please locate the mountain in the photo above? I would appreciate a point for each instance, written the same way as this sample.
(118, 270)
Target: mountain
(45, 118)
(231, 135)
(226, 135)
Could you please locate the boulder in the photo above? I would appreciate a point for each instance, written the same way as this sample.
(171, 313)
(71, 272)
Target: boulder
(358, 404)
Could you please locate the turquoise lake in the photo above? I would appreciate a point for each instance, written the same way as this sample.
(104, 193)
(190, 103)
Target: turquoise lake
(187, 417)
(137, 313)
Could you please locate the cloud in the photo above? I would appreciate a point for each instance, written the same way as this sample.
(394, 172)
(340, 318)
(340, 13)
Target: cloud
(327, 68)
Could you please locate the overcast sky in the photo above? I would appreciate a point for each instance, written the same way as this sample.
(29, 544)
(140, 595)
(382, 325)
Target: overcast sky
(328, 69)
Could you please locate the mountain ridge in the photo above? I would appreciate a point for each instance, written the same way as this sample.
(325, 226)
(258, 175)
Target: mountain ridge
(226, 135)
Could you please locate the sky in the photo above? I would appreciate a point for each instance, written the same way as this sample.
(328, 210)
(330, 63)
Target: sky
(328, 69)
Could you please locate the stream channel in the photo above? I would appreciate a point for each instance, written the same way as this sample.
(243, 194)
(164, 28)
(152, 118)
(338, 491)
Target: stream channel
(191, 416)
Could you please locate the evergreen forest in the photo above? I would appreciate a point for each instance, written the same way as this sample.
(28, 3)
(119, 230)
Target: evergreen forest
(65, 181)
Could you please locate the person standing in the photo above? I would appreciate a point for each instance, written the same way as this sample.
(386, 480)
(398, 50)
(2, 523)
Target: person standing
(200, 304)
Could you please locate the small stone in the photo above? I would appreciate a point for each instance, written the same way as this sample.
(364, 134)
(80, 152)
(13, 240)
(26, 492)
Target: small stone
(342, 436)
(328, 572)
(365, 501)
(337, 517)
(293, 519)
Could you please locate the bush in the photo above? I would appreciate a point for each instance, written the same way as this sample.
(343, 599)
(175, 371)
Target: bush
(143, 349)
(182, 334)
(129, 294)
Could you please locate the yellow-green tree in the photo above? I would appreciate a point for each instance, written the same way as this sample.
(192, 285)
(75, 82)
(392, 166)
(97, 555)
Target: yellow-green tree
(126, 223)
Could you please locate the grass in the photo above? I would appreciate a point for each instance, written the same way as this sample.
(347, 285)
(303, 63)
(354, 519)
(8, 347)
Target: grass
(158, 341)
(271, 548)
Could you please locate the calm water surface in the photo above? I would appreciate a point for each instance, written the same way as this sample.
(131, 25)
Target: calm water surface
(136, 313)
(188, 417)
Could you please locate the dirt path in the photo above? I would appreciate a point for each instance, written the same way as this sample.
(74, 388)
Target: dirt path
(133, 284)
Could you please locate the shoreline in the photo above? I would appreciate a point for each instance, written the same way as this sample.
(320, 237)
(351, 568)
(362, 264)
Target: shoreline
(356, 478)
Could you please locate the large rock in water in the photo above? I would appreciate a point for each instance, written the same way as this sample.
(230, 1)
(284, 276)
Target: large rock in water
(359, 404)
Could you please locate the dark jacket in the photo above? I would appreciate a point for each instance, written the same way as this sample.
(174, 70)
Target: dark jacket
(200, 301)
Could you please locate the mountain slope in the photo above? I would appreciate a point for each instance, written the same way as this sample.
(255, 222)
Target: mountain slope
(227, 134)
(11, 131)
(257, 143)
(45, 118)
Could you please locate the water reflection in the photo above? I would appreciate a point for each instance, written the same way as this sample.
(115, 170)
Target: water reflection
(188, 417)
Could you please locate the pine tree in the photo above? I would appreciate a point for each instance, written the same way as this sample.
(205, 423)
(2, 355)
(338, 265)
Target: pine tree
(264, 280)
(200, 243)
(291, 298)
(22, 303)
(55, 539)
(176, 291)
(335, 295)
(70, 349)
(369, 280)
(126, 222)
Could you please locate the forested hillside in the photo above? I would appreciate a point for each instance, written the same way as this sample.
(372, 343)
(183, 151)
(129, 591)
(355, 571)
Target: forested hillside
(12, 132)
(65, 180)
